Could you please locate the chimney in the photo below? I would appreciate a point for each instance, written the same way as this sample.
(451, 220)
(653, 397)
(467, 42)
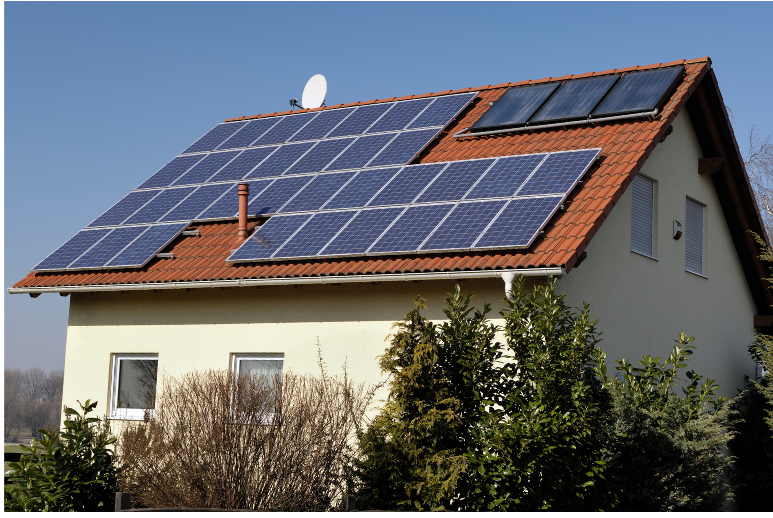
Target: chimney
(244, 192)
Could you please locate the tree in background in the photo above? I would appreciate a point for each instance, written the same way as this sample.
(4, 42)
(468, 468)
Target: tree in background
(759, 167)
(32, 401)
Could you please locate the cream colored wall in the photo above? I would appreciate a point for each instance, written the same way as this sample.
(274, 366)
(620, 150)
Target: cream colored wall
(203, 328)
(642, 303)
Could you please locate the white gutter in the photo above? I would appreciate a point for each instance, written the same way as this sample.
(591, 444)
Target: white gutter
(329, 279)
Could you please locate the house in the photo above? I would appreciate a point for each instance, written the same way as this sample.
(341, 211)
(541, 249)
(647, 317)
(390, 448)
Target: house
(644, 213)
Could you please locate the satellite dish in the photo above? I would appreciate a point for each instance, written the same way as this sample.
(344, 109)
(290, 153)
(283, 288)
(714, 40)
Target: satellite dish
(315, 92)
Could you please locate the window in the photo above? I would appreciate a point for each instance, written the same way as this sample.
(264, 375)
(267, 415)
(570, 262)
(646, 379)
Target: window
(134, 385)
(270, 367)
(693, 237)
(643, 216)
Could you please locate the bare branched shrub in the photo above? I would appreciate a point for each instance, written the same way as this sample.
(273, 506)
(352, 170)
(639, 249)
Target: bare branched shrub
(219, 440)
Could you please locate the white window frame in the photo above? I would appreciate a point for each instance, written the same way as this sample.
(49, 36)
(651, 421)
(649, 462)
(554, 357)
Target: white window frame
(704, 238)
(654, 222)
(133, 414)
(237, 358)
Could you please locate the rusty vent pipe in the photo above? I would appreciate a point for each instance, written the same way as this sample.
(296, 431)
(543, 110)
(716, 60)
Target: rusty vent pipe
(244, 192)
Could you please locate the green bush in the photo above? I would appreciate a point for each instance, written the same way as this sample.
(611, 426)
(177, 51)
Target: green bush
(70, 470)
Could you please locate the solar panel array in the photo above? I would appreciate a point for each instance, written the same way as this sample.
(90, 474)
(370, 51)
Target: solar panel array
(480, 204)
(278, 156)
(578, 99)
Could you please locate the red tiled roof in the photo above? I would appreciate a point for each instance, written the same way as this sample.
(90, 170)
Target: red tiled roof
(625, 144)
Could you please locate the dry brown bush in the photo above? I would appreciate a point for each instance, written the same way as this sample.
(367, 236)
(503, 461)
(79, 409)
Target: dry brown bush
(235, 442)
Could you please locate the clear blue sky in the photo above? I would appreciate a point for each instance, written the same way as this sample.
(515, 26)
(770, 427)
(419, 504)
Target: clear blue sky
(98, 96)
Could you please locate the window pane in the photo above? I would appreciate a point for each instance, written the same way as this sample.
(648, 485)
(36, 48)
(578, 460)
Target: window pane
(268, 368)
(137, 384)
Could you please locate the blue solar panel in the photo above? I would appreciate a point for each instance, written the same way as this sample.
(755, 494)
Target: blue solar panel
(159, 205)
(559, 173)
(267, 239)
(207, 168)
(463, 225)
(252, 131)
(171, 171)
(515, 107)
(361, 231)
(360, 120)
(197, 202)
(280, 160)
(322, 124)
(116, 214)
(455, 180)
(108, 247)
(410, 230)
(442, 110)
(505, 177)
(285, 129)
(68, 252)
(277, 194)
(215, 137)
(361, 189)
(405, 147)
(361, 152)
(145, 247)
(575, 98)
(317, 192)
(407, 184)
(243, 164)
(519, 223)
(319, 156)
(320, 229)
(227, 206)
(640, 91)
(399, 116)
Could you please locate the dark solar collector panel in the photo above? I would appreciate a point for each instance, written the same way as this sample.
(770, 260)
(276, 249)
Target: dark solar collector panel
(640, 91)
(455, 180)
(116, 214)
(251, 132)
(317, 192)
(574, 99)
(99, 254)
(515, 107)
(207, 168)
(404, 147)
(171, 171)
(71, 250)
(442, 110)
(147, 245)
(215, 137)
(400, 116)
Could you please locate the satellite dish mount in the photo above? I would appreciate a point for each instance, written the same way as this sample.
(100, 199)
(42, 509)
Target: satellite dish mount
(313, 94)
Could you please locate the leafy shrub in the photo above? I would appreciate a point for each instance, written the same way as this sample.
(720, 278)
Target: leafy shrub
(218, 440)
(70, 470)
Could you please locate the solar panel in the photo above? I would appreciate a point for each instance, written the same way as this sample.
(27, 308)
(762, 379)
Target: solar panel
(171, 171)
(357, 192)
(251, 132)
(361, 231)
(277, 194)
(442, 110)
(269, 237)
(361, 152)
(360, 120)
(227, 206)
(463, 225)
(196, 203)
(322, 124)
(559, 173)
(640, 91)
(575, 98)
(404, 147)
(107, 248)
(314, 235)
(240, 166)
(454, 182)
(71, 250)
(411, 229)
(160, 205)
(146, 246)
(407, 184)
(514, 107)
(519, 223)
(399, 116)
(317, 192)
(285, 129)
(215, 137)
(319, 156)
(505, 177)
(207, 168)
(280, 160)
(116, 214)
